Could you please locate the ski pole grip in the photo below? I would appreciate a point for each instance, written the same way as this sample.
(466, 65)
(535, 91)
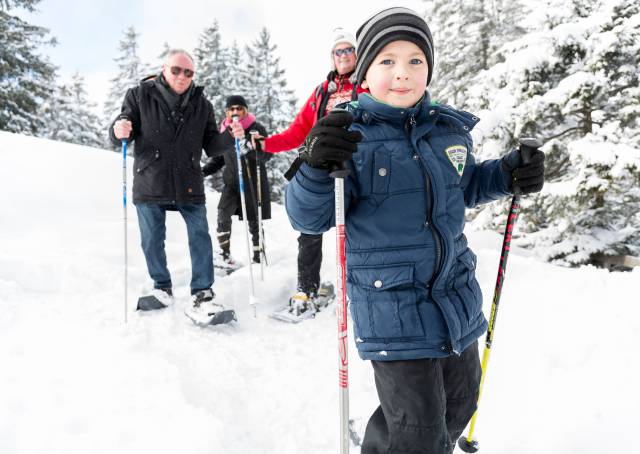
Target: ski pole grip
(338, 170)
(257, 143)
(528, 146)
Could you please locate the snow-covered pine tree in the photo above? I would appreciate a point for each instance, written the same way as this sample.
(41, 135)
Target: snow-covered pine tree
(268, 94)
(212, 70)
(574, 84)
(212, 74)
(71, 117)
(130, 72)
(29, 5)
(236, 81)
(271, 102)
(467, 36)
(26, 77)
(157, 69)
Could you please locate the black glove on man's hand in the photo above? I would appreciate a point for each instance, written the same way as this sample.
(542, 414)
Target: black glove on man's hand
(528, 177)
(329, 141)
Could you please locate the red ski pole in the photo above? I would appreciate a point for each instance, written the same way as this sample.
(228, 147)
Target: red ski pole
(339, 173)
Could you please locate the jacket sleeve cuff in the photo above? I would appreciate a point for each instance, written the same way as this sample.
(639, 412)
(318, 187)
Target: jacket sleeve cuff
(313, 174)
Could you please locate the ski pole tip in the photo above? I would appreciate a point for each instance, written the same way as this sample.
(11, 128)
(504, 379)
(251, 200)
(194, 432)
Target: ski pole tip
(468, 446)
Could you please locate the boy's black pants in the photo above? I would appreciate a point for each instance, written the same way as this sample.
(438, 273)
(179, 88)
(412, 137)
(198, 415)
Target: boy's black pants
(425, 404)
(309, 262)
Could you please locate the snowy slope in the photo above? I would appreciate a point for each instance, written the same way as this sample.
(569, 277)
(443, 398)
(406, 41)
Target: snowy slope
(75, 379)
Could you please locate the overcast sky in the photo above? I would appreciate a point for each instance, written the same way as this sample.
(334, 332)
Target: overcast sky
(88, 32)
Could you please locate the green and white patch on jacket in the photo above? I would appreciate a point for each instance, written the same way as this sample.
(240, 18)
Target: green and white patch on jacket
(457, 154)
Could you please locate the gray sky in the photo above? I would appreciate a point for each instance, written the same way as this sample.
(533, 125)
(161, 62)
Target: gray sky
(88, 32)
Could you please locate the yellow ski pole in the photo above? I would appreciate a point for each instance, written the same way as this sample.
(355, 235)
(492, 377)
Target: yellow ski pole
(527, 147)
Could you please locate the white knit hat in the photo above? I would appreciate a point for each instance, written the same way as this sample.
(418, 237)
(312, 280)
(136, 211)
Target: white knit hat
(340, 35)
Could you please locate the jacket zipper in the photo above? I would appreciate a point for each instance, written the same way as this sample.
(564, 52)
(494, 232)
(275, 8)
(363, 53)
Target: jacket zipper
(429, 199)
(448, 346)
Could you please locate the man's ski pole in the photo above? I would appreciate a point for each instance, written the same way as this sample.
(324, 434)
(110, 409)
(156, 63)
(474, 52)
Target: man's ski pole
(252, 298)
(527, 147)
(261, 252)
(124, 206)
(339, 173)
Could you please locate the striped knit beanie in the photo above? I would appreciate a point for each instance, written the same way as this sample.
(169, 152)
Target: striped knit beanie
(390, 25)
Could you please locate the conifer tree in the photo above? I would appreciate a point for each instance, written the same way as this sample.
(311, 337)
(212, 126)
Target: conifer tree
(26, 77)
(468, 35)
(267, 88)
(272, 102)
(576, 88)
(70, 116)
(130, 72)
(161, 58)
(236, 80)
(211, 67)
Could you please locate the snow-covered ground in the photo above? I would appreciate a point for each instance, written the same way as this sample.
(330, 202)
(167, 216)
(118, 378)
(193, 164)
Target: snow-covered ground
(75, 379)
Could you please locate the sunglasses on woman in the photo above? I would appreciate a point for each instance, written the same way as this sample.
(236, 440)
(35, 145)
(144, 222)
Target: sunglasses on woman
(176, 70)
(341, 52)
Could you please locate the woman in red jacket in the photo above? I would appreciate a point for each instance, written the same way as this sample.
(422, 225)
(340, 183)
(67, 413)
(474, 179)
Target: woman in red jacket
(337, 88)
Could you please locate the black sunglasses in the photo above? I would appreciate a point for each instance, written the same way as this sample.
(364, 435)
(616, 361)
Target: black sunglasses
(176, 70)
(341, 52)
(235, 108)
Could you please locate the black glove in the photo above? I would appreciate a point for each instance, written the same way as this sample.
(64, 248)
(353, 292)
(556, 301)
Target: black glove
(213, 165)
(329, 142)
(527, 177)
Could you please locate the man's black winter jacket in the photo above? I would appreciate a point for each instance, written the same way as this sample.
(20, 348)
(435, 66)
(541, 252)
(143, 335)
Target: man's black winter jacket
(167, 152)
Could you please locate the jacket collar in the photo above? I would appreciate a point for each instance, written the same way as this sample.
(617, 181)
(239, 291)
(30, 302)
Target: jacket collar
(373, 109)
(425, 113)
(194, 92)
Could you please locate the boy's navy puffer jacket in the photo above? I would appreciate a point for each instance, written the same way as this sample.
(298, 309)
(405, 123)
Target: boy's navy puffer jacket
(410, 274)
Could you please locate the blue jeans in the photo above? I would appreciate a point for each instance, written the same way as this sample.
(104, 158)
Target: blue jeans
(151, 218)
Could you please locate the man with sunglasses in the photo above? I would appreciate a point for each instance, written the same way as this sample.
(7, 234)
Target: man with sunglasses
(171, 122)
(338, 87)
(230, 204)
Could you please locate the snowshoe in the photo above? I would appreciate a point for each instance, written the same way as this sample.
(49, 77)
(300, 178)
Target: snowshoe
(204, 311)
(158, 299)
(305, 305)
(224, 264)
(356, 431)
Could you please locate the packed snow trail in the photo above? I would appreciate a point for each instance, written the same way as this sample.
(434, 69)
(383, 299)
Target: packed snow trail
(75, 379)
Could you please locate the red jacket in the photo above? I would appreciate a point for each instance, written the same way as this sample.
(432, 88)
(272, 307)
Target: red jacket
(317, 106)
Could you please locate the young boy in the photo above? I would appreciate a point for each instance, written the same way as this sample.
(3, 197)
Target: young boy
(415, 302)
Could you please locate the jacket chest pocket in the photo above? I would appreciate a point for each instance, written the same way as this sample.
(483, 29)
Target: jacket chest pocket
(384, 303)
(381, 171)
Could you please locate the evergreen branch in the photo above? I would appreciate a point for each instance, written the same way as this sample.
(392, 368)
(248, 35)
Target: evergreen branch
(566, 131)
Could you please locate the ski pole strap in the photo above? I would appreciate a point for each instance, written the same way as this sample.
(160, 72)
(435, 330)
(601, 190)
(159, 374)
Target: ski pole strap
(295, 166)
(336, 170)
